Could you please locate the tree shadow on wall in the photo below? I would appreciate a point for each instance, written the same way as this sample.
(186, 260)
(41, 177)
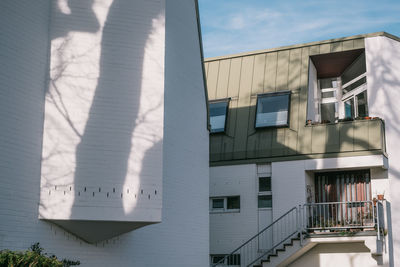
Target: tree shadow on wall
(105, 146)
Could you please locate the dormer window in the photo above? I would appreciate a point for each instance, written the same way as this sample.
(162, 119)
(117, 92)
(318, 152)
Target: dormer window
(273, 110)
(218, 114)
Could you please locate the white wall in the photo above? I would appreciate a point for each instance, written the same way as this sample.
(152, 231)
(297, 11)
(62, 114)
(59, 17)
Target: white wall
(383, 81)
(333, 255)
(289, 186)
(23, 72)
(230, 230)
(182, 237)
(289, 182)
(103, 125)
(313, 94)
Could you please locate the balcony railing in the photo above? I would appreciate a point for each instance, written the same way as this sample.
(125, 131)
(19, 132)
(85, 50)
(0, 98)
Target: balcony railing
(340, 215)
(299, 221)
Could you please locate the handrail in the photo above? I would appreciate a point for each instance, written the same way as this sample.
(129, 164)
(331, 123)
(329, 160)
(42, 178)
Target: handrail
(335, 215)
(254, 237)
(272, 249)
(307, 217)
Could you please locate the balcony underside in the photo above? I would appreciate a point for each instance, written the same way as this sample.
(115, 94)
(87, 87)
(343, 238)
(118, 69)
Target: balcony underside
(96, 231)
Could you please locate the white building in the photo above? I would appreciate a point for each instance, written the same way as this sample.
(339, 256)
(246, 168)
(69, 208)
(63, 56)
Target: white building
(104, 155)
(303, 138)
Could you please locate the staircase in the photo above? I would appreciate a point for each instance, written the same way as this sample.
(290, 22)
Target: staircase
(275, 238)
(287, 237)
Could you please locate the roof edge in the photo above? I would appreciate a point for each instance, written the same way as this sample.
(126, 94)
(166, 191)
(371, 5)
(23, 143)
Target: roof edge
(196, 3)
(360, 36)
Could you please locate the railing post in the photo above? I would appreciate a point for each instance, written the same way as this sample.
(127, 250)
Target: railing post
(301, 225)
(377, 221)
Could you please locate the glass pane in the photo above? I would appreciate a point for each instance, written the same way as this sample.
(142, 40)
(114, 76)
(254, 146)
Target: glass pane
(328, 94)
(265, 201)
(328, 111)
(264, 184)
(234, 259)
(233, 203)
(354, 70)
(216, 259)
(218, 116)
(362, 105)
(354, 85)
(272, 110)
(349, 108)
(218, 203)
(328, 83)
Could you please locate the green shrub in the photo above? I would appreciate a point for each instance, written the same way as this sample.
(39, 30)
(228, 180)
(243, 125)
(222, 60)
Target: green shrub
(34, 257)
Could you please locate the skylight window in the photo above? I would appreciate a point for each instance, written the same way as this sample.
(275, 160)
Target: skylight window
(273, 110)
(218, 114)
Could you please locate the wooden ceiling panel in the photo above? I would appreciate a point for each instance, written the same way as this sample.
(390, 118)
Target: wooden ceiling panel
(333, 64)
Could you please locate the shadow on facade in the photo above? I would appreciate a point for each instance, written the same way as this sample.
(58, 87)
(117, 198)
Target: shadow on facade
(105, 144)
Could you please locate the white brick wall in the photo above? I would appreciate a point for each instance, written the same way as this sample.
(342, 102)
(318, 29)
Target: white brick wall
(182, 237)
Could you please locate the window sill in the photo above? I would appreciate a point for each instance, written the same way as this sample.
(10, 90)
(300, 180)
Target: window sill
(224, 211)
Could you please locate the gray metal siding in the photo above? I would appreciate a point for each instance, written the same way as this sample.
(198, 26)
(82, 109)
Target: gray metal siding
(242, 78)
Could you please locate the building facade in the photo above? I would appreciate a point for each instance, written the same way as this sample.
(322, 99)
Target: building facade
(303, 151)
(94, 163)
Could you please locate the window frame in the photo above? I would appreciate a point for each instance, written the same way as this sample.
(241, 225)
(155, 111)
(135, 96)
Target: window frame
(225, 209)
(259, 96)
(353, 95)
(216, 101)
(229, 261)
(264, 193)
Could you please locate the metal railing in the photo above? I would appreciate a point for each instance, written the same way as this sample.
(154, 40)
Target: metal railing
(337, 215)
(304, 218)
(266, 240)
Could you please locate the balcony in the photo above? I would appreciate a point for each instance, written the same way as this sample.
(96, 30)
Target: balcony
(346, 138)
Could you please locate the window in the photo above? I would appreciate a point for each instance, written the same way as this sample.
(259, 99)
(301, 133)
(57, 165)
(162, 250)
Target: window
(341, 97)
(355, 103)
(265, 201)
(218, 112)
(273, 110)
(264, 192)
(232, 260)
(218, 203)
(233, 203)
(264, 184)
(225, 204)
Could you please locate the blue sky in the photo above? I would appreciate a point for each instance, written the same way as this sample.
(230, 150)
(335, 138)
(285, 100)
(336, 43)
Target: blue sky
(233, 26)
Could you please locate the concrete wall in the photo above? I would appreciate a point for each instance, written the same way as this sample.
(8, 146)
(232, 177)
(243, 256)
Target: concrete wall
(339, 254)
(182, 237)
(383, 81)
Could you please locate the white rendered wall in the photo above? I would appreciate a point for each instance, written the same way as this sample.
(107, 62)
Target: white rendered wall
(182, 237)
(23, 72)
(292, 184)
(383, 81)
(334, 255)
(103, 125)
(313, 97)
(229, 230)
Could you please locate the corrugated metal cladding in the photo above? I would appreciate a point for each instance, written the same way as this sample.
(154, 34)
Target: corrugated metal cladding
(242, 77)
